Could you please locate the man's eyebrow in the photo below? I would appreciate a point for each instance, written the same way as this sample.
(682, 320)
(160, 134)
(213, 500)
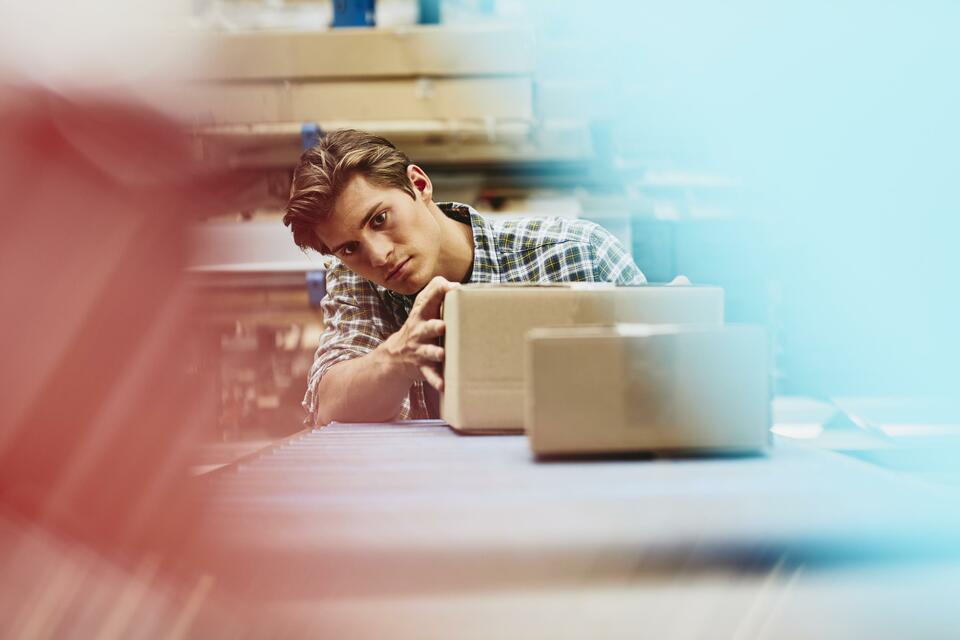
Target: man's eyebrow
(366, 218)
(372, 210)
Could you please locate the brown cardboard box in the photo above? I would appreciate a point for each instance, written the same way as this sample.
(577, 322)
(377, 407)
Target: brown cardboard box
(647, 388)
(508, 97)
(450, 50)
(486, 326)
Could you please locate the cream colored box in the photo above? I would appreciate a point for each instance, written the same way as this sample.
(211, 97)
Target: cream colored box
(450, 50)
(647, 388)
(486, 326)
(506, 97)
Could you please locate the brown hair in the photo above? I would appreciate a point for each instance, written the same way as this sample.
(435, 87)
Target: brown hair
(326, 168)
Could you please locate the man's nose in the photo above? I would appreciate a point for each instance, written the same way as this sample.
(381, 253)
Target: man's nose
(380, 251)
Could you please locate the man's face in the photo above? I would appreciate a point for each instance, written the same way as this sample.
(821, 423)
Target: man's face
(384, 235)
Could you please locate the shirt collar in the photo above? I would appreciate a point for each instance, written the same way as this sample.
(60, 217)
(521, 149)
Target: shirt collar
(486, 264)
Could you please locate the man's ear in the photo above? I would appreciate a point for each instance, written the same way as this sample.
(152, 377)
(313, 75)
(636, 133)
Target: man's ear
(420, 181)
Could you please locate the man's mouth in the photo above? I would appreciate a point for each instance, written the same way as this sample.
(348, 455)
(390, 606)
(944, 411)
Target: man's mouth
(397, 269)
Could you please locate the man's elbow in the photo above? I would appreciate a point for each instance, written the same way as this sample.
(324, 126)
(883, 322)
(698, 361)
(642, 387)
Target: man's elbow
(334, 404)
(324, 415)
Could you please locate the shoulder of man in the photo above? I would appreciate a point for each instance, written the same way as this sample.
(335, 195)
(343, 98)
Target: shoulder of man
(524, 234)
(349, 295)
(341, 281)
(336, 273)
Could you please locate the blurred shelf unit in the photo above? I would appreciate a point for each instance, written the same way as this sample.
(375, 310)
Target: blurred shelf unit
(257, 321)
(444, 94)
(251, 294)
(253, 272)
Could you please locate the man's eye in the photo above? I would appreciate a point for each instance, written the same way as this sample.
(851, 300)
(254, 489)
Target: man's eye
(348, 249)
(379, 219)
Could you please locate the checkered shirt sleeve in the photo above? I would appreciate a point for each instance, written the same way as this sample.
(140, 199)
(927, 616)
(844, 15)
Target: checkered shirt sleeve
(356, 321)
(610, 260)
(544, 250)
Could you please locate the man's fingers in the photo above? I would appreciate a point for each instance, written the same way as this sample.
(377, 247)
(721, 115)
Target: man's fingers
(430, 352)
(431, 329)
(429, 300)
(433, 378)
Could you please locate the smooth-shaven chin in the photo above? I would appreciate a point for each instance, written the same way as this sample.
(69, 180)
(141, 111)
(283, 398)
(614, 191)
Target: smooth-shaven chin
(406, 282)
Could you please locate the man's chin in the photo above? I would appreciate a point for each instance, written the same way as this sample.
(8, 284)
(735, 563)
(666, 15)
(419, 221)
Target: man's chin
(403, 290)
(408, 287)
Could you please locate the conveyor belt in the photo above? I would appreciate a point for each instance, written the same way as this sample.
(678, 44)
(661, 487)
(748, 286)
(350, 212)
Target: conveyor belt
(411, 510)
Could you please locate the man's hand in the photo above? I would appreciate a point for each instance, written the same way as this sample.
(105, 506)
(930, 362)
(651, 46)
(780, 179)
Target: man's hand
(415, 345)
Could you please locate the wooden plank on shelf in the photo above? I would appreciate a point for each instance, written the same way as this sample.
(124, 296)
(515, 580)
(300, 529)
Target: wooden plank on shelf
(454, 141)
(459, 129)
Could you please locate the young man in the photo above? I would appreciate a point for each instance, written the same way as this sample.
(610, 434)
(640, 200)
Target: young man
(356, 197)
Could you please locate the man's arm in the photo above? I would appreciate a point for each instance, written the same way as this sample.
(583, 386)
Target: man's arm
(611, 261)
(372, 387)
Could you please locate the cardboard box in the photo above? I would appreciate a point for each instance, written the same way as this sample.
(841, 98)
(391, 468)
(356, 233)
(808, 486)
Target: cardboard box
(487, 324)
(507, 97)
(450, 50)
(647, 388)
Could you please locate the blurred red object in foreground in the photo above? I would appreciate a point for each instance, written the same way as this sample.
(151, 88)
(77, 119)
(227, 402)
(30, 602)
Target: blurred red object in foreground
(97, 406)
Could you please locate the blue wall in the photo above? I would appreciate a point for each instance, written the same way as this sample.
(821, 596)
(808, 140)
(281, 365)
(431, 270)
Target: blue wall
(842, 122)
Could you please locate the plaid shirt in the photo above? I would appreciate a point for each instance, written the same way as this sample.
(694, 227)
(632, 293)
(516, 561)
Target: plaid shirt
(359, 315)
